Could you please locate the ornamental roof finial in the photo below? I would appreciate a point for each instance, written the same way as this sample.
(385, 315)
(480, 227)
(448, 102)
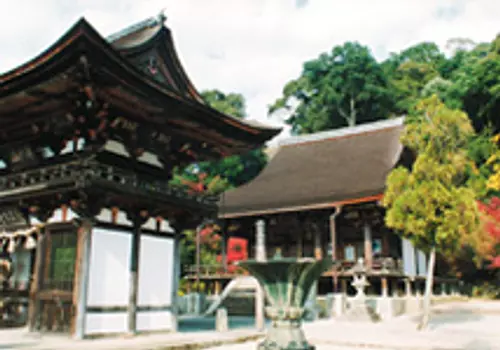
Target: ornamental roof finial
(161, 18)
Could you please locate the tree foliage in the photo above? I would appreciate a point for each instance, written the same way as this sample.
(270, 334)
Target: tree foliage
(486, 241)
(343, 88)
(410, 71)
(233, 171)
(215, 178)
(230, 104)
(431, 203)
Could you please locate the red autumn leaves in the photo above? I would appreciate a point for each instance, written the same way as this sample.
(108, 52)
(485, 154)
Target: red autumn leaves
(488, 244)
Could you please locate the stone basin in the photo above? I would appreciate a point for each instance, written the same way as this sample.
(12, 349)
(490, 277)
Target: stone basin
(286, 283)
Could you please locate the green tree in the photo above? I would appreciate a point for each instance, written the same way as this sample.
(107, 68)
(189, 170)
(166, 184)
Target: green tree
(230, 104)
(230, 171)
(410, 71)
(430, 203)
(476, 87)
(344, 88)
(436, 86)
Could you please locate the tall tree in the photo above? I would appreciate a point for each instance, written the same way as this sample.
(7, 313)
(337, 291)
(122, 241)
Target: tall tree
(410, 71)
(476, 87)
(431, 203)
(344, 88)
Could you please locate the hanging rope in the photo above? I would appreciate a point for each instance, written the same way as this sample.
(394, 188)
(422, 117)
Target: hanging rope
(26, 239)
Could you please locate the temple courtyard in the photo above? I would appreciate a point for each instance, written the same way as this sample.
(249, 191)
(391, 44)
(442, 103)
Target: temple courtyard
(454, 325)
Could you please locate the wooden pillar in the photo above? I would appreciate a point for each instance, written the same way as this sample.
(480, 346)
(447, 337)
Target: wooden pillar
(408, 287)
(394, 288)
(134, 277)
(443, 289)
(367, 233)
(333, 233)
(300, 244)
(385, 243)
(318, 251)
(176, 276)
(34, 302)
(333, 242)
(343, 286)
(218, 287)
(81, 280)
(224, 241)
(198, 257)
(384, 286)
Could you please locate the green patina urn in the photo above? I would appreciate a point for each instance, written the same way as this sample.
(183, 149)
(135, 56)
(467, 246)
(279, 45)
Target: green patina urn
(286, 283)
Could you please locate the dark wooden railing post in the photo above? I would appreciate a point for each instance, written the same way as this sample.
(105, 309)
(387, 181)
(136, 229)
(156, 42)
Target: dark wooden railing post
(81, 278)
(138, 219)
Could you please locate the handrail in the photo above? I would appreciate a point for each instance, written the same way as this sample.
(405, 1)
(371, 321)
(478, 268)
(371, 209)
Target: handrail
(382, 264)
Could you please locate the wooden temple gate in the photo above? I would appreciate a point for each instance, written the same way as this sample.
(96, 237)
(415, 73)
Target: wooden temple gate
(95, 126)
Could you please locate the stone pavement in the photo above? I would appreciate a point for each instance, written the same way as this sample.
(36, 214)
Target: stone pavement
(20, 339)
(473, 325)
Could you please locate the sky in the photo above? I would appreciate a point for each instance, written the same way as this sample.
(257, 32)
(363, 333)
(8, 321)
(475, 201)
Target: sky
(252, 47)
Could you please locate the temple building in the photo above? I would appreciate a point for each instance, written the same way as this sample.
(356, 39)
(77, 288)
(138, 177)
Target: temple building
(319, 196)
(90, 132)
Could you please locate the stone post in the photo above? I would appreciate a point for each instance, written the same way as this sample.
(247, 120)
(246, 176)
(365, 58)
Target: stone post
(260, 255)
(339, 304)
(260, 241)
(259, 308)
(221, 320)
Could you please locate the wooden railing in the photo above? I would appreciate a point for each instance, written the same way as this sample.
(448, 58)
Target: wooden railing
(77, 172)
(379, 265)
(214, 270)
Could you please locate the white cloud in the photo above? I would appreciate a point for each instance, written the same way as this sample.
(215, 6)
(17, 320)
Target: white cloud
(252, 46)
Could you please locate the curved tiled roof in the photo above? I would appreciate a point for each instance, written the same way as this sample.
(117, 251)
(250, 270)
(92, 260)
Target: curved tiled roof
(140, 63)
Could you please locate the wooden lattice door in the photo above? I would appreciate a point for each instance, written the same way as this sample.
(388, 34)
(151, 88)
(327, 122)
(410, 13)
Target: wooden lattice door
(54, 298)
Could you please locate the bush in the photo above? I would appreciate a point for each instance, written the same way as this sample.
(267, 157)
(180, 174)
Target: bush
(486, 290)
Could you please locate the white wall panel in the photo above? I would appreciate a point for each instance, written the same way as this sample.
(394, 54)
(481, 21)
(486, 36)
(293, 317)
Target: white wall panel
(408, 257)
(154, 320)
(109, 268)
(99, 323)
(155, 271)
(422, 263)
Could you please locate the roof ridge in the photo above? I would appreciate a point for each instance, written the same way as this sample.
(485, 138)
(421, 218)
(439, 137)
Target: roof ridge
(146, 23)
(346, 131)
